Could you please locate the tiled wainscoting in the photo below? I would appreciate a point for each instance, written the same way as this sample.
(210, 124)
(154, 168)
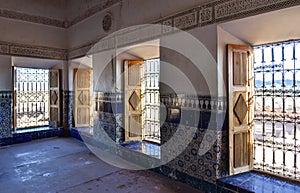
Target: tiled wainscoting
(108, 114)
(31, 134)
(8, 136)
(205, 116)
(67, 118)
(191, 113)
(5, 114)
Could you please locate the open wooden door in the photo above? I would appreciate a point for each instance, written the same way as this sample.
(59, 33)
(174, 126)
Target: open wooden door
(240, 107)
(132, 100)
(54, 96)
(82, 86)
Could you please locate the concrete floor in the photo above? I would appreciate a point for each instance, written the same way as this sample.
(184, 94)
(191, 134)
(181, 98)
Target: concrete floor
(66, 165)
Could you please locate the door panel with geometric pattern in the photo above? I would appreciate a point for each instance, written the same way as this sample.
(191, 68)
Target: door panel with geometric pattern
(82, 86)
(240, 106)
(132, 100)
(54, 96)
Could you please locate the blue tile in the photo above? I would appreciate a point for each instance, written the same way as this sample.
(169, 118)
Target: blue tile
(258, 183)
(208, 119)
(119, 108)
(188, 117)
(144, 147)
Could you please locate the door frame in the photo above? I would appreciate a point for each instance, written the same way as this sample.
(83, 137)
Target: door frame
(127, 95)
(239, 130)
(76, 104)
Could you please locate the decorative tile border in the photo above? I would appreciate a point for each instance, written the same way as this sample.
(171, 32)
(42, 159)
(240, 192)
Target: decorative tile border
(5, 94)
(191, 102)
(32, 51)
(5, 114)
(32, 18)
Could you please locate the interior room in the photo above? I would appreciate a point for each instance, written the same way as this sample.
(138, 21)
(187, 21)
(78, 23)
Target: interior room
(150, 96)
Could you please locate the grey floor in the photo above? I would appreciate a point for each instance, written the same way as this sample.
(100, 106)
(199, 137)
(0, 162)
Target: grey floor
(66, 165)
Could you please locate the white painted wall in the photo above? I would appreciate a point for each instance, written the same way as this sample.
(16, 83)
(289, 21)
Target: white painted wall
(5, 73)
(195, 58)
(90, 29)
(280, 25)
(103, 72)
(32, 34)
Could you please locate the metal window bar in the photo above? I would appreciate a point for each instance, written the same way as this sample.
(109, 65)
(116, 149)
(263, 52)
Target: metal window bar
(32, 97)
(151, 102)
(277, 109)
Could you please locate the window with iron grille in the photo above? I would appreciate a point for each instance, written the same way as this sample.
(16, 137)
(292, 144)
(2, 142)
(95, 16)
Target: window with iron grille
(150, 100)
(277, 109)
(32, 97)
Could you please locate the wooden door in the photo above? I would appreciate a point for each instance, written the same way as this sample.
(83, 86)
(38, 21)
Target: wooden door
(82, 86)
(54, 96)
(132, 100)
(240, 107)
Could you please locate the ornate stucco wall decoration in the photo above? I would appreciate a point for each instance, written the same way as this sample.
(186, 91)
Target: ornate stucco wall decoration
(186, 21)
(32, 51)
(215, 11)
(107, 22)
(233, 7)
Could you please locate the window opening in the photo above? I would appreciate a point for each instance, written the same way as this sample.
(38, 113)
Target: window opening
(277, 109)
(151, 100)
(31, 97)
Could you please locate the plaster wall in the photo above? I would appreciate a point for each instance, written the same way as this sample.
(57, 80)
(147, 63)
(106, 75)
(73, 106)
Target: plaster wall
(5, 73)
(27, 33)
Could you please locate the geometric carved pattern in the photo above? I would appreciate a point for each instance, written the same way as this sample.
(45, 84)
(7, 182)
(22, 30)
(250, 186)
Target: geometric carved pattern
(231, 7)
(82, 98)
(185, 21)
(54, 97)
(54, 79)
(134, 100)
(240, 109)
